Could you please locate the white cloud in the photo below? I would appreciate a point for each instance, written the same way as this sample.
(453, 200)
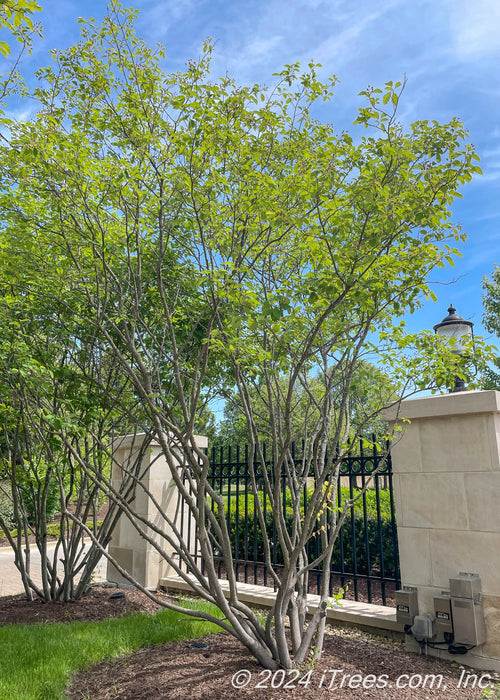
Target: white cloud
(340, 45)
(157, 18)
(475, 26)
(493, 152)
(490, 174)
(23, 114)
(260, 49)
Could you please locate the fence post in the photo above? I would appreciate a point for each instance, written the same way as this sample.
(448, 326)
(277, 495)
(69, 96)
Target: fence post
(131, 551)
(446, 472)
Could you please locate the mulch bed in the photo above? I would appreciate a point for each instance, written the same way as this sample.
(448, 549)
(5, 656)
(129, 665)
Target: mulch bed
(176, 671)
(95, 606)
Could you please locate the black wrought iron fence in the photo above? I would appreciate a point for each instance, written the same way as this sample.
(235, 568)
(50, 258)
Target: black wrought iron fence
(365, 560)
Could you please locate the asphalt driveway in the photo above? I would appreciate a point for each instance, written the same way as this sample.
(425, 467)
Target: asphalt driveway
(10, 579)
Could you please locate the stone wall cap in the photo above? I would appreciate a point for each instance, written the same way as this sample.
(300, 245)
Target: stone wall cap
(126, 441)
(460, 403)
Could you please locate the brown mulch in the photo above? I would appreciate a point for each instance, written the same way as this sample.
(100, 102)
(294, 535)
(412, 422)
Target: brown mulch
(176, 671)
(96, 605)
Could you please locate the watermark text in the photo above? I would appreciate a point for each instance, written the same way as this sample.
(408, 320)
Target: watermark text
(337, 678)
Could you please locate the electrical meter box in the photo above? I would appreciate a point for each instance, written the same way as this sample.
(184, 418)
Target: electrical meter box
(467, 610)
(465, 586)
(442, 613)
(406, 605)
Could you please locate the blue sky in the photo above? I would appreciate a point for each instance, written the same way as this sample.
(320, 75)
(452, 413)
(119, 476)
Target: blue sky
(448, 50)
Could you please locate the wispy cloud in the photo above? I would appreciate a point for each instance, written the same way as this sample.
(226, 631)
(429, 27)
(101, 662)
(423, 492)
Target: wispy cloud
(23, 114)
(475, 28)
(160, 16)
(347, 31)
(261, 49)
(490, 174)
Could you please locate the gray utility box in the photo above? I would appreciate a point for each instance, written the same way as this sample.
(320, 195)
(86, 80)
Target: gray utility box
(423, 627)
(467, 610)
(442, 613)
(406, 605)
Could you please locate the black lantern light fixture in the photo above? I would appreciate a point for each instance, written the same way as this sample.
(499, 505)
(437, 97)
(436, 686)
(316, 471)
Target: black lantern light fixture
(456, 327)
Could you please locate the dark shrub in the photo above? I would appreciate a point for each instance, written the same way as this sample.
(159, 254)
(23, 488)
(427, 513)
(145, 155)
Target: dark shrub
(369, 553)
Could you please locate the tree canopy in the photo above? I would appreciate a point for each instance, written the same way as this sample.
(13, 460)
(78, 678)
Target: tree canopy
(370, 388)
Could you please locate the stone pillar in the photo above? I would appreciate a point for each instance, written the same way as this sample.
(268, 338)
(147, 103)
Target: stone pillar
(447, 492)
(133, 552)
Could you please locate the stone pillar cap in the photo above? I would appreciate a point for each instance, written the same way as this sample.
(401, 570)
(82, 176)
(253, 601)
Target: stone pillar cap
(127, 441)
(459, 403)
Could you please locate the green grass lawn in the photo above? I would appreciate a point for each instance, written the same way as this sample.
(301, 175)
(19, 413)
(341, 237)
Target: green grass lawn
(38, 661)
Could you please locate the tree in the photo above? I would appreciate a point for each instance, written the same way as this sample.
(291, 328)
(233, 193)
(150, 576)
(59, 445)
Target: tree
(53, 383)
(491, 318)
(213, 235)
(370, 388)
(16, 18)
(15, 15)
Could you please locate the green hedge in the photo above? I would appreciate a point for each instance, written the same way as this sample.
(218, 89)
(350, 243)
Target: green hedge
(52, 503)
(31, 495)
(253, 537)
(54, 529)
(6, 506)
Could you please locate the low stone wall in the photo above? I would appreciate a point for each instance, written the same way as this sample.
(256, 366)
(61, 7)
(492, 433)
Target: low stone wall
(376, 618)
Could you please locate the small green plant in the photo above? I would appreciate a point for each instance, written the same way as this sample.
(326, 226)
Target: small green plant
(312, 661)
(337, 598)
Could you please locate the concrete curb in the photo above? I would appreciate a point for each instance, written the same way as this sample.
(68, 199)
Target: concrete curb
(376, 617)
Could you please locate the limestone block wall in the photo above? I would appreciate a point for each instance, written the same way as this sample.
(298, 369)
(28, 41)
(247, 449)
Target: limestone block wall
(134, 553)
(447, 492)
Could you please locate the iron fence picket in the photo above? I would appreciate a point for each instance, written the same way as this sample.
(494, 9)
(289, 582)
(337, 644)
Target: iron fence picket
(368, 556)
